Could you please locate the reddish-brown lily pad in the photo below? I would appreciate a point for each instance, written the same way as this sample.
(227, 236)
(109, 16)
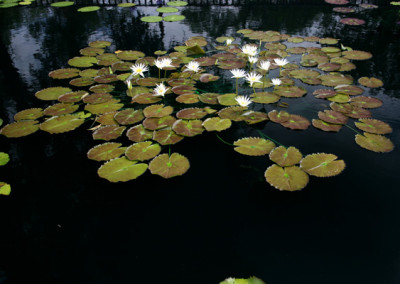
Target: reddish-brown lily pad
(169, 166)
(154, 123)
(322, 165)
(20, 128)
(146, 98)
(350, 90)
(332, 116)
(166, 136)
(278, 117)
(121, 169)
(343, 10)
(265, 97)
(233, 113)
(109, 132)
(366, 102)
(370, 82)
(374, 142)
(101, 88)
(374, 126)
(106, 151)
(209, 98)
(254, 146)
(356, 54)
(352, 21)
(290, 91)
(187, 99)
(326, 126)
(81, 82)
(97, 98)
(72, 97)
(296, 122)
(188, 128)
(60, 108)
(129, 116)
(324, 93)
(157, 110)
(142, 151)
(191, 113)
(65, 73)
(29, 114)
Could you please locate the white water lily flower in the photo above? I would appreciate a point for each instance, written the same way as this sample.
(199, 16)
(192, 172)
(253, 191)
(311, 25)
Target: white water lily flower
(229, 41)
(276, 81)
(250, 50)
(243, 101)
(193, 66)
(253, 77)
(281, 61)
(160, 90)
(162, 63)
(129, 84)
(139, 68)
(253, 59)
(238, 73)
(265, 65)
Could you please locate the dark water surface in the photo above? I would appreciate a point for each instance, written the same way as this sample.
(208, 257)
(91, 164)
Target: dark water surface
(64, 224)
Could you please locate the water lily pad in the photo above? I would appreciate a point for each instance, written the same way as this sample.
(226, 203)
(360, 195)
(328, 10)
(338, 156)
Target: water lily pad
(151, 19)
(358, 112)
(169, 166)
(183, 89)
(335, 79)
(343, 10)
(91, 73)
(374, 126)
(252, 117)
(60, 109)
(20, 128)
(97, 98)
(206, 78)
(154, 123)
(339, 98)
(107, 118)
(188, 128)
(296, 122)
(209, 98)
(368, 6)
(253, 146)
(89, 9)
(166, 136)
(121, 169)
(227, 99)
(4, 158)
(287, 178)
(81, 82)
(304, 73)
(343, 108)
(322, 165)
(106, 151)
(62, 4)
(174, 18)
(324, 93)
(29, 114)
(328, 40)
(347, 67)
(129, 116)
(352, 21)
(99, 43)
(191, 113)
(329, 66)
(177, 3)
(350, 90)
(126, 5)
(108, 132)
(91, 51)
(366, 102)
(101, 108)
(326, 126)
(5, 188)
(278, 117)
(105, 79)
(233, 113)
(130, 55)
(374, 142)
(64, 73)
(356, 54)
(370, 82)
(82, 61)
(290, 91)
(337, 2)
(332, 116)
(52, 93)
(285, 157)
(265, 97)
(142, 151)
(138, 133)
(146, 98)
(61, 124)
(101, 88)
(137, 90)
(188, 99)
(157, 110)
(217, 124)
(167, 10)
(122, 66)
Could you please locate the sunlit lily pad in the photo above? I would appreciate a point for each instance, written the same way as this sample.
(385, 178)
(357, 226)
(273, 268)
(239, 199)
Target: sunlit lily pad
(227, 99)
(106, 151)
(52, 93)
(296, 122)
(350, 90)
(335, 79)
(366, 102)
(121, 169)
(356, 54)
(29, 114)
(352, 21)
(138, 133)
(339, 98)
(97, 98)
(265, 97)
(252, 117)
(328, 40)
(167, 10)
(20, 128)
(370, 82)
(108, 132)
(347, 67)
(290, 91)
(332, 116)
(108, 106)
(62, 123)
(89, 9)
(188, 99)
(4, 158)
(126, 5)
(188, 128)
(142, 151)
(169, 166)
(322, 165)
(374, 142)
(324, 93)
(285, 157)
(5, 188)
(233, 113)
(217, 124)
(99, 43)
(157, 110)
(326, 126)
(177, 3)
(191, 113)
(304, 73)
(166, 136)
(287, 178)
(81, 82)
(62, 4)
(107, 118)
(64, 73)
(137, 90)
(129, 116)
(154, 123)
(151, 19)
(130, 55)
(146, 98)
(278, 117)
(82, 61)
(253, 146)
(174, 18)
(374, 126)
(60, 109)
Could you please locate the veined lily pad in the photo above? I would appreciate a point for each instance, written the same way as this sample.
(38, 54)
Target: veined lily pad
(287, 178)
(138, 133)
(81, 82)
(82, 61)
(366, 102)
(328, 40)
(91, 73)
(368, 6)
(343, 108)
(174, 18)
(157, 110)
(285, 157)
(322, 165)
(290, 91)
(191, 113)
(358, 112)
(151, 19)
(217, 124)
(324, 93)
(98, 98)
(146, 98)
(129, 116)
(122, 66)
(91, 51)
(374, 142)
(350, 90)
(62, 4)
(339, 98)
(304, 73)
(166, 136)
(89, 9)
(52, 93)
(253, 146)
(326, 126)
(184, 89)
(356, 54)
(205, 78)
(142, 151)
(352, 21)
(65, 73)
(252, 117)
(99, 43)
(296, 50)
(370, 82)
(108, 132)
(20, 128)
(147, 82)
(137, 90)
(106, 151)
(60, 109)
(121, 169)
(209, 98)
(107, 118)
(335, 79)
(169, 166)
(130, 55)
(296, 122)
(108, 106)
(265, 97)
(374, 126)
(233, 113)
(29, 114)
(188, 99)
(332, 116)
(154, 123)
(61, 124)
(278, 117)
(188, 128)
(105, 79)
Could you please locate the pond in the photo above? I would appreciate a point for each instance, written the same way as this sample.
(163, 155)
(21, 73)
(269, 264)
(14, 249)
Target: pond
(62, 223)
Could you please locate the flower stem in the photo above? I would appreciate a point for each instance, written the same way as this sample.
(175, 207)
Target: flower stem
(266, 136)
(223, 141)
(237, 85)
(353, 129)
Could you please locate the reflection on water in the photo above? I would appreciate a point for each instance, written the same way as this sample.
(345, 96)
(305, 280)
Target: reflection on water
(221, 219)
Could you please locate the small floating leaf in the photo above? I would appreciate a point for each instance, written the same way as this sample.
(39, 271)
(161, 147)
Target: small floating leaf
(285, 157)
(5, 188)
(324, 93)
(52, 93)
(61, 124)
(169, 166)
(217, 124)
(29, 114)
(107, 106)
(65, 73)
(146, 98)
(126, 5)
(62, 4)
(108, 132)
(129, 116)
(322, 165)
(253, 146)
(357, 54)
(174, 18)
(89, 9)
(121, 169)
(265, 97)
(167, 10)
(20, 128)
(352, 21)
(82, 61)
(81, 82)
(374, 126)
(370, 82)
(101, 88)
(166, 136)
(106, 151)
(151, 19)
(287, 178)
(188, 128)
(177, 3)
(99, 43)
(98, 98)
(191, 113)
(296, 122)
(279, 117)
(142, 151)
(157, 110)
(326, 126)
(4, 158)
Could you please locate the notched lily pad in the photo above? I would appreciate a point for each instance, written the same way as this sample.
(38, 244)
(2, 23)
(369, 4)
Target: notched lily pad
(191, 113)
(82, 61)
(332, 116)
(166, 136)
(290, 91)
(217, 124)
(278, 117)
(29, 114)
(61, 124)
(129, 116)
(366, 102)
(253, 146)
(169, 166)
(374, 126)
(154, 123)
(326, 126)
(285, 157)
(265, 97)
(60, 109)
(52, 93)
(296, 122)
(121, 169)
(188, 128)
(374, 142)
(142, 151)
(370, 82)
(108, 106)
(322, 165)
(287, 178)
(138, 133)
(158, 110)
(106, 151)
(20, 128)
(108, 132)
(64, 73)
(356, 54)
(352, 21)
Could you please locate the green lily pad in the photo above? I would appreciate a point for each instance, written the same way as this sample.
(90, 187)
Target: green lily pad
(126, 5)
(146, 98)
(154, 123)
(374, 142)
(233, 113)
(121, 169)
(285, 157)
(167, 10)
(290, 91)
(374, 126)
(151, 19)
(4, 158)
(181, 90)
(82, 82)
(343, 108)
(169, 166)
(174, 18)
(142, 151)
(64, 73)
(329, 66)
(157, 110)
(129, 116)
(108, 132)
(370, 82)
(188, 128)
(107, 118)
(137, 90)
(254, 146)
(62, 4)
(252, 117)
(5, 188)
(99, 43)
(187, 99)
(106, 151)
(265, 97)
(366, 102)
(217, 124)
(91, 73)
(332, 116)
(227, 99)
(287, 178)
(91, 51)
(191, 113)
(278, 117)
(98, 98)
(29, 114)
(304, 73)
(82, 61)
(209, 98)
(89, 9)
(50, 94)
(138, 133)
(322, 165)
(297, 122)
(130, 55)
(352, 21)
(339, 98)
(335, 79)
(356, 54)
(324, 93)
(20, 128)
(328, 40)
(101, 108)
(105, 79)
(326, 126)
(177, 3)
(60, 109)
(343, 10)
(166, 136)
(350, 90)
(101, 88)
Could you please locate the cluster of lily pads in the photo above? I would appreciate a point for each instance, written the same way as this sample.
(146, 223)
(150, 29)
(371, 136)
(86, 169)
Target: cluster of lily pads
(157, 102)
(13, 3)
(170, 8)
(349, 10)
(5, 188)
